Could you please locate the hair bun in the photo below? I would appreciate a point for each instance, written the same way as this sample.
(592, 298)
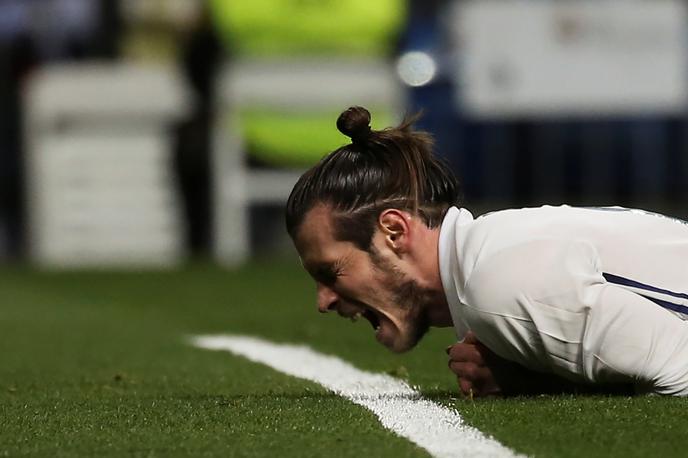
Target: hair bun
(354, 122)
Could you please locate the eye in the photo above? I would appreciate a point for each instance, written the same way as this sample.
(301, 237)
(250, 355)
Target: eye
(332, 276)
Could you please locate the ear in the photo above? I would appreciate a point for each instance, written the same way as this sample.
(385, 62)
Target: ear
(396, 227)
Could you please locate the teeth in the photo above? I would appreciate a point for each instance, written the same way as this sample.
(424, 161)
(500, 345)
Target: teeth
(356, 317)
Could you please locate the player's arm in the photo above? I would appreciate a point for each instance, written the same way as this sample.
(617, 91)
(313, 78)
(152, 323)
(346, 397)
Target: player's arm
(480, 373)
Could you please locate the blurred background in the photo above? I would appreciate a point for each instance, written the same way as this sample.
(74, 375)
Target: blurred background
(146, 133)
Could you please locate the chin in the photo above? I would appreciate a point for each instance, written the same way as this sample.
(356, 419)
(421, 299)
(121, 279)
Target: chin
(399, 344)
(402, 349)
(403, 343)
(404, 336)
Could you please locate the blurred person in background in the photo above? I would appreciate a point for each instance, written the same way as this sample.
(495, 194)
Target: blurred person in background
(34, 33)
(17, 57)
(200, 57)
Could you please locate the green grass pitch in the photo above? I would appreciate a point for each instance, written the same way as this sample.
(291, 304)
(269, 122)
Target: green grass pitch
(95, 364)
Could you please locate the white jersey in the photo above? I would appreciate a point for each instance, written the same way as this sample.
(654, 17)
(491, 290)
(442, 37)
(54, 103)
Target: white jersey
(591, 294)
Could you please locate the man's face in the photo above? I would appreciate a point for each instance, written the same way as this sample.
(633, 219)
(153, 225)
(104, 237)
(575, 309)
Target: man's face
(358, 284)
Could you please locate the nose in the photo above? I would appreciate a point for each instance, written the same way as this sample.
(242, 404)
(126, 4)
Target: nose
(327, 299)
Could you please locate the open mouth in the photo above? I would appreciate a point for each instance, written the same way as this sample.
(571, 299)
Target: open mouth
(369, 315)
(372, 318)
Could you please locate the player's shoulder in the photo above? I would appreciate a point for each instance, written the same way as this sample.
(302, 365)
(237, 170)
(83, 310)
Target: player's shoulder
(499, 230)
(515, 226)
(530, 216)
(529, 251)
(535, 268)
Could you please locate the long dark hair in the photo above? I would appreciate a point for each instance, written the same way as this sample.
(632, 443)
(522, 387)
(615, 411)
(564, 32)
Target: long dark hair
(380, 169)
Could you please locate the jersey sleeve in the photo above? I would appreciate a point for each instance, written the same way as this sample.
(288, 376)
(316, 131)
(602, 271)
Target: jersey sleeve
(547, 306)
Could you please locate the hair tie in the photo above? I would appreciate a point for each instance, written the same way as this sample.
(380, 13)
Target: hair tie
(361, 136)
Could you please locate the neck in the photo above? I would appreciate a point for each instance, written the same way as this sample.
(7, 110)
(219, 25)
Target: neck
(428, 262)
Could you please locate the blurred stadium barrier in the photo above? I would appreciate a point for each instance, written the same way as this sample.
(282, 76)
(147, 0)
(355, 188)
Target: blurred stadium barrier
(589, 58)
(98, 178)
(532, 102)
(581, 102)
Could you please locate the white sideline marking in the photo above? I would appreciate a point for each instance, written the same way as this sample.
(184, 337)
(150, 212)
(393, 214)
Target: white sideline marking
(439, 430)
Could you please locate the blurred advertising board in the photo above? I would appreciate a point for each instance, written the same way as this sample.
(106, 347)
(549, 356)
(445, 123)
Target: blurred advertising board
(571, 58)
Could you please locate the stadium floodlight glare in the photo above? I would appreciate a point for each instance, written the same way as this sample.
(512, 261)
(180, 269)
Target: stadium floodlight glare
(416, 68)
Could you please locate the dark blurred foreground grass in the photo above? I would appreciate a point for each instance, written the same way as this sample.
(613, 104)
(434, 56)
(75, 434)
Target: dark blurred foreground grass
(96, 364)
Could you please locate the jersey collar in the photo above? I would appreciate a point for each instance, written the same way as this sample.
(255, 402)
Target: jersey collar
(449, 264)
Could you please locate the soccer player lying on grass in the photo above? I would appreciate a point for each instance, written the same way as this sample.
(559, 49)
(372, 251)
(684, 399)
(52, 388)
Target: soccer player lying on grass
(542, 299)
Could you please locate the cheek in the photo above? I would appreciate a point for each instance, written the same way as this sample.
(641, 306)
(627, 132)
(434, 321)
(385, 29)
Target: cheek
(363, 288)
(360, 279)
(390, 283)
(358, 290)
